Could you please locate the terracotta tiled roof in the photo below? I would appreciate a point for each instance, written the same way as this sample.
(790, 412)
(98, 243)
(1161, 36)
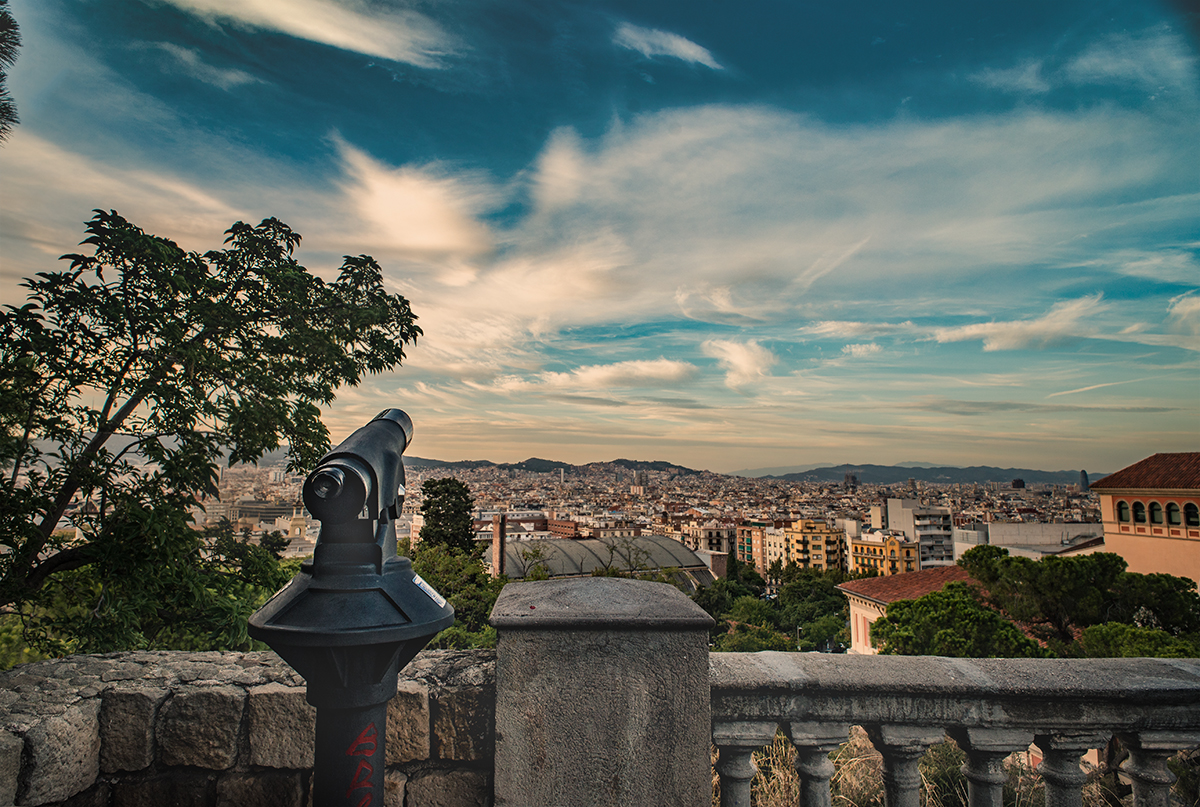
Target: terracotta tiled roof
(1179, 471)
(906, 586)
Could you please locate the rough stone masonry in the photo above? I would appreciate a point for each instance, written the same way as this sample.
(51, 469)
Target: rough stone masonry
(148, 729)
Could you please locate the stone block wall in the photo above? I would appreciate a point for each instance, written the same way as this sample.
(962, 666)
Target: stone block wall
(151, 729)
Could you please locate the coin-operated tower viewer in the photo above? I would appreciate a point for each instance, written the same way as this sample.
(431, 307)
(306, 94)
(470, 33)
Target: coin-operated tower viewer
(356, 613)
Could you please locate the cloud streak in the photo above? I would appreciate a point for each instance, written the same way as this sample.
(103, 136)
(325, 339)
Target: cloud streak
(1065, 321)
(401, 35)
(651, 42)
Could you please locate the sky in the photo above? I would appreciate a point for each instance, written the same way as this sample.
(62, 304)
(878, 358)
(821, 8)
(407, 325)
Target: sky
(726, 235)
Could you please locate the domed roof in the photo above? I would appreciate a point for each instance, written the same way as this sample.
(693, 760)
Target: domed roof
(564, 557)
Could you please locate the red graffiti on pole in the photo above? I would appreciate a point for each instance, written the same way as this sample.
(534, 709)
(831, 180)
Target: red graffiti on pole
(363, 746)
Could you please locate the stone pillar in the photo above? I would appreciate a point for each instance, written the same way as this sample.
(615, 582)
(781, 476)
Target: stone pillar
(813, 742)
(602, 695)
(986, 750)
(902, 748)
(736, 743)
(1061, 769)
(1147, 764)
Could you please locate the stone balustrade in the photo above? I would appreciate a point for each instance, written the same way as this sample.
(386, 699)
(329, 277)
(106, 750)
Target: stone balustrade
(990, 707)
(601, 692)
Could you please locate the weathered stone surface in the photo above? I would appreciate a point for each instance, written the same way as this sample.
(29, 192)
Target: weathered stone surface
(64, 753)
(177, 789)
(95, 796)
(260, 790)
(605, 705)
(463, 725)
(127, 728)
(10, 766)
(200, 727)
(393, 789)
(408, 724)
(282, 727)
(449, 789)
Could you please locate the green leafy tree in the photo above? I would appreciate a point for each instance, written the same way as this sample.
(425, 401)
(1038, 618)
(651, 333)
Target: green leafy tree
(1118, 640)
(10, 43)
(950, 622)
(127, 377)
(1057, 598)
(746, 638)
(462, 579)
(447, 507)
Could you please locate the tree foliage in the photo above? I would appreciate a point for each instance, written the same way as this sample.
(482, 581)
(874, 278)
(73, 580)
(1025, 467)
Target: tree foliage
(1058, 598)
(128, 376)
(807, 613)
(10, 43)
(950, 622)
(447, 507)
(462, 579)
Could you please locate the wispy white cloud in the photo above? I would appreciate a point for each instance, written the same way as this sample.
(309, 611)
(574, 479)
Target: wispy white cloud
(862, 351)
(1025, 78)
(398, 34)
(1156, 59)
(744, 362)
(414, 210)
(653, 373)
(194, 65)
(1183, 315)
(843, 329)
(1065, 321)
(1153, 60)
(651, 42)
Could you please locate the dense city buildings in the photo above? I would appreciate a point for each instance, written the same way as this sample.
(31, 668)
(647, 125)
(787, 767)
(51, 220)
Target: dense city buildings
(851, 526)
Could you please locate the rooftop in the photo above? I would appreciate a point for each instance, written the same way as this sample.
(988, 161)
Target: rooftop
(906, 586)
(1175, 471)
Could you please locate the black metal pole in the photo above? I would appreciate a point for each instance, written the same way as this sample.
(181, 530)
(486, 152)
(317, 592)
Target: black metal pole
(350, 757)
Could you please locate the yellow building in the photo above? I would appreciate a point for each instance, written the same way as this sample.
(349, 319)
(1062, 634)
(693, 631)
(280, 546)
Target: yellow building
(886, 551)
(814, 545)
(1151, 514)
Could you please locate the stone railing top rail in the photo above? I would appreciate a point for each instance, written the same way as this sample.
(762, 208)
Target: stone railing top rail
(1118, 694)
(596, 603)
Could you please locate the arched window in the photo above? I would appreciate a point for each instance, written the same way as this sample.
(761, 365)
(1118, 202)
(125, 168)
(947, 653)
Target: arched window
(1139, 513)
(1191, 515)
(1173, 514)
(1122, 511)
(1155, 513)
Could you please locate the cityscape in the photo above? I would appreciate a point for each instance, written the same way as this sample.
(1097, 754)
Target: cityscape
(710, 513)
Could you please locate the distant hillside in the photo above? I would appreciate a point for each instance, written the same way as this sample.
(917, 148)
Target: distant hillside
(540, 466)
(657, 465)
(976, 474)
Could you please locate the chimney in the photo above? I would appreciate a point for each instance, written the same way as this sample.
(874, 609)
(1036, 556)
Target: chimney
(499, 525)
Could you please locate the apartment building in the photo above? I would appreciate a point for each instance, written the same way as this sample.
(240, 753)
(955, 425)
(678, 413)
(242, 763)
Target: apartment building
(815, 545)
(888, 552)
(931, 527)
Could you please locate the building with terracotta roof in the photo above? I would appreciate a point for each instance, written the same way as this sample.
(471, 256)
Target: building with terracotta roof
(870, 596)
(1151, 514)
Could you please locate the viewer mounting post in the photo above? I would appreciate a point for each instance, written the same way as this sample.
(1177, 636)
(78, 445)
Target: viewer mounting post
(355, 614)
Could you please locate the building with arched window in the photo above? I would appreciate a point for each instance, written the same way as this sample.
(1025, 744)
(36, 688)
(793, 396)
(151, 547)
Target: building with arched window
(1151, 513)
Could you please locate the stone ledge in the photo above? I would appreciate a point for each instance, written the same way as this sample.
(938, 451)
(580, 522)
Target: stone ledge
(1116, 694)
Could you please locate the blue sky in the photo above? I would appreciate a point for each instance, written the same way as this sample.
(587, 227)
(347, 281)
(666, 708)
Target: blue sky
(722, 234)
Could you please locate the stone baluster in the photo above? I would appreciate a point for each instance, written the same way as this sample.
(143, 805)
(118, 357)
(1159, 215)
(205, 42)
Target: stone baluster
(902, 748)
(813, 743)
(736, 742)
(1147, 763)
(1060, 768)
(986, 750)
